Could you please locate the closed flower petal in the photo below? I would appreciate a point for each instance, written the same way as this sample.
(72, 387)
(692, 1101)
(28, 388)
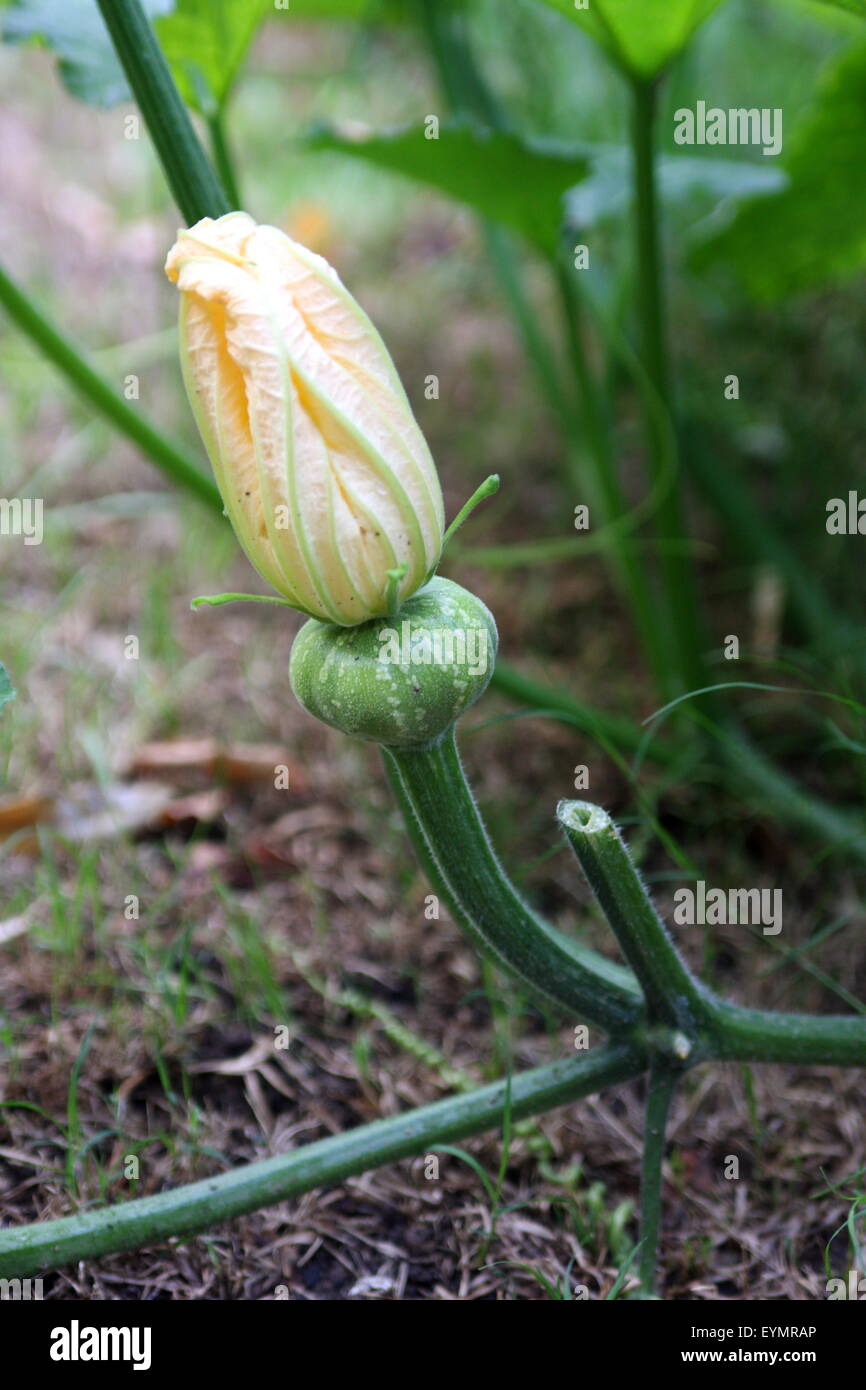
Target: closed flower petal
(324, 473)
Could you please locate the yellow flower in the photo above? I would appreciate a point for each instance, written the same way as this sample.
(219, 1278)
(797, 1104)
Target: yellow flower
(324, 473)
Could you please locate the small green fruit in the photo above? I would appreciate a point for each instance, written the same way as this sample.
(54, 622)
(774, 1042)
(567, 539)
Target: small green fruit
(399, 681)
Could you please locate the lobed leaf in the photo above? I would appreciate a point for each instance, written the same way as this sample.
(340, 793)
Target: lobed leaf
(682, 179)
(504, 176)
(74, 31)
(640, 36)
(205, 42)
(812, 231)
(857, 7)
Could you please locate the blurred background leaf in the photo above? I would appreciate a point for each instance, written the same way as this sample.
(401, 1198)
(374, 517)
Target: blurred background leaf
(364, 11)
(857, 7)
(204, 40)
(516, 181)
(639, 35)
(682, 179)
(74, 30)
(814, 230)
(6, 691)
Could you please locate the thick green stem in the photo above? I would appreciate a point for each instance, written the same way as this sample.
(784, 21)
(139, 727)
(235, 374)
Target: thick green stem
(454, 849)
(98, 393)
(662, 1083)
(674, 997)
(191, 178)
(678, 583)
(222, 156)
(200, 1206)
(752, 1035)
(463, 85)
(705, 1025)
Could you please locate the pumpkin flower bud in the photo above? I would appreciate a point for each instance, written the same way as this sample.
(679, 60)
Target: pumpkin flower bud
(324, 473)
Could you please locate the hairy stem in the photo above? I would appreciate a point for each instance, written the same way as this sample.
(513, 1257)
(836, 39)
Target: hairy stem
(674, 997)
(200, 1206)
(662, 1083)
(754, 1035)
(191, 178)
(704, 1025)
(454, 849)
(680, 598)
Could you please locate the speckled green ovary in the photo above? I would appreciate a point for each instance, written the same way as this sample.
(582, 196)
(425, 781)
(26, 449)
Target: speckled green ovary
(339, 675)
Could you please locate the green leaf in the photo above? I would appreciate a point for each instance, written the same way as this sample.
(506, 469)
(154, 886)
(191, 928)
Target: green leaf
(501, 175)
(641, 36)
(6, 691)
(74, 30)
(814, 230)
(205, 42)
(682, 180)
(857, 7)
(358, 10)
